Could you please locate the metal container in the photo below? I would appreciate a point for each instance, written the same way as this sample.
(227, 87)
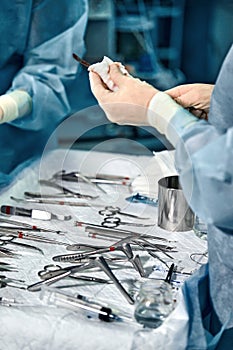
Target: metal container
(174, 213)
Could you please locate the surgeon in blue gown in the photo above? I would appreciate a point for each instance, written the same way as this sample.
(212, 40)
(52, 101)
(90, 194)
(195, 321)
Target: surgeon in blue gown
(204, 160)
(36, 70)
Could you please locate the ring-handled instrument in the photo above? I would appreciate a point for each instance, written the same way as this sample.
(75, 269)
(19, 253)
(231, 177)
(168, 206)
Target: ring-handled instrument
(33, 213)
(114, 221)
(59, 274)
(10, 239)
(67, 271)
(53, 270)
(66, 190)
(111, 211)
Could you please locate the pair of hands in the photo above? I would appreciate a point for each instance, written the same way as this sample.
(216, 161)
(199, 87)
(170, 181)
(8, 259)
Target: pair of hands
(129, 103)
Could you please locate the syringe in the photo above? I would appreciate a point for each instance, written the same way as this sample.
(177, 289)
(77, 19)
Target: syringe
(92, 310)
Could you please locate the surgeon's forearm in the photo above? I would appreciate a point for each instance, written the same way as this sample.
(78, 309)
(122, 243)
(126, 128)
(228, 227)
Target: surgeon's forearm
(13, 105)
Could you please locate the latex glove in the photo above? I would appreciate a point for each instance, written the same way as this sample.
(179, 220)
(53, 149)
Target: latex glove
(128, 103)
(195, 97)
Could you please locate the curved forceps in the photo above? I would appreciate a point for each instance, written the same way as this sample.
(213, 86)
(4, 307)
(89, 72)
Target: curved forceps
(114, 221)
(52, 270)
(111, 211)
(58, 274)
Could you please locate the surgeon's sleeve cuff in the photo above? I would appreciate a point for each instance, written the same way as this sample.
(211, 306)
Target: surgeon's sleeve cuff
(15, 105)
(168, 117)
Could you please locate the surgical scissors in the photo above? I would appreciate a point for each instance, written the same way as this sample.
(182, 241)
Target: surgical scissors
(57, 275)
(98, 261)
(110, 211)
(9, 239)
(114, 221)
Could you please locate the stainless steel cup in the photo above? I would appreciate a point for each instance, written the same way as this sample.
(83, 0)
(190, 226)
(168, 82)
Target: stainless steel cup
(174, 213)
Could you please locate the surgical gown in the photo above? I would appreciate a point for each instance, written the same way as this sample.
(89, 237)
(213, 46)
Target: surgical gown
(36, 45)
(204, 160)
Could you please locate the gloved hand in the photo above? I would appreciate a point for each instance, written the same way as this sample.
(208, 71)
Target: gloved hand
(195, 97)
(129, 102)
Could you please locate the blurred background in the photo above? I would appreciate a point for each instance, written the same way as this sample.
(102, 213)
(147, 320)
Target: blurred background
(165, 42)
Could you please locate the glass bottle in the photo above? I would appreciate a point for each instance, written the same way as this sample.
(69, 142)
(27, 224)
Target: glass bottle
(154, 303)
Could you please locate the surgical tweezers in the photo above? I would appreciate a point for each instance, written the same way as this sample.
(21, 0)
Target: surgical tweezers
(32, 237)
(119, 233)
(6, 253)
(51, 201)
(22, 225)
(7, 267)
(66, 190)
(75, 176)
